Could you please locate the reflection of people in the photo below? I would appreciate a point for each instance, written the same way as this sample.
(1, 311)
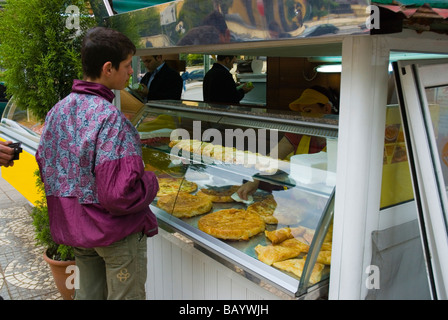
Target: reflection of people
(314, 101)
(161, 82)
(6, 154)
(212, 30)
(219, 86)
(276, 32)
(200, 35)
(90, 160)
(217, 20)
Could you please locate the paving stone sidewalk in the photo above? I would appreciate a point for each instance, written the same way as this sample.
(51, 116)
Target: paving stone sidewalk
(24, 275)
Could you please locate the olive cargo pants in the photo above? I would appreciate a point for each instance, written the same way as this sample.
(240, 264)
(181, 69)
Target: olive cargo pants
(115, 272)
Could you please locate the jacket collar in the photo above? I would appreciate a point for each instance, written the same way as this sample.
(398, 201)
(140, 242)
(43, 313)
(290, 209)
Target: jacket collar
(97, 89)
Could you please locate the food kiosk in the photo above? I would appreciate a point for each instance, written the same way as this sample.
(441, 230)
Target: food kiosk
(367, 200)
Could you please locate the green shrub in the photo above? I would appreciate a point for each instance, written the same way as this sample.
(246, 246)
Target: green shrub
(39, 53)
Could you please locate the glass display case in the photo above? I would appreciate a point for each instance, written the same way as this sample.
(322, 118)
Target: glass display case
(207, 151)
(19, 124)
(214, 149)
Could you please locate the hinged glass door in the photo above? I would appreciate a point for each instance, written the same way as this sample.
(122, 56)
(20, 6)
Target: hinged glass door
(423, 98)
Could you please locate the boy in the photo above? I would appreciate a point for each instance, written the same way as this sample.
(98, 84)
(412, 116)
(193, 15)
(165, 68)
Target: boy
(98, 193)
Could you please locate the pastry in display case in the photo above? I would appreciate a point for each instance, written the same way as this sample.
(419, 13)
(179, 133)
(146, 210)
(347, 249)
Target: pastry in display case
(282, 233)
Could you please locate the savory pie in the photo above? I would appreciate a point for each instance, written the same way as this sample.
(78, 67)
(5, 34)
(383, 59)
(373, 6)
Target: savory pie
(191, 145)
(227, 154)
(329, 235)
(231, 224)
(271, 254)
(326, 246)
(296, 244)
(207, 149)
(184, 205)
(265, 208)
(174, 185)
(323, 257)
(282, 234)
(283, 211)
(219, 195)
(287, 249)
(296, 266)
(279, 235)
(186, 144)
(224, 154)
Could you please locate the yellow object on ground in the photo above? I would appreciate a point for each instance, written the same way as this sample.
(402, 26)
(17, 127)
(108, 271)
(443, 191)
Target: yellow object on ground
(21, 176)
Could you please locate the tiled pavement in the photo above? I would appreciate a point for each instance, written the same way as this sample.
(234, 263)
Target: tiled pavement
(24, 275)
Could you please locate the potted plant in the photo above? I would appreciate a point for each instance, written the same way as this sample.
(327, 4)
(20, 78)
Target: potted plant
(40, 53)
(58, 256)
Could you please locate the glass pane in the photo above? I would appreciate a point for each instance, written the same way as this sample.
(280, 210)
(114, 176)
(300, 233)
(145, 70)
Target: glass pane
(438, 106)
(396, 183)
(397, 250)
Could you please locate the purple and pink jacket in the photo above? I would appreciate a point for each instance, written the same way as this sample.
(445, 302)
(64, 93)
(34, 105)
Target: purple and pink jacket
(90, 161)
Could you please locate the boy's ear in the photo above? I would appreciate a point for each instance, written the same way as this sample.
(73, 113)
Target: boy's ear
(107, 68)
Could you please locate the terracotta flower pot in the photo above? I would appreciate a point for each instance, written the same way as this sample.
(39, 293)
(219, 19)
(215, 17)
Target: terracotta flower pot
(58, 269)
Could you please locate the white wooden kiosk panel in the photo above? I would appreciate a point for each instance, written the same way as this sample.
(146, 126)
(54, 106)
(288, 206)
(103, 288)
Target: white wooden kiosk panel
(179, 271)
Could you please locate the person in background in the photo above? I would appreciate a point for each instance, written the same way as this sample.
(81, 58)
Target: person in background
(219, 86)
(90, 160)
(217, 20)
(6, 154)
(314, 101)
(160, 82)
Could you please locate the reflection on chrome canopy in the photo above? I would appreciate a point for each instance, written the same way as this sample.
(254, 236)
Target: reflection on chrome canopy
(200, 22)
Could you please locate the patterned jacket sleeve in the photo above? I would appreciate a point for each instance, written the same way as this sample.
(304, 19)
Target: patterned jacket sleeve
(123, 186)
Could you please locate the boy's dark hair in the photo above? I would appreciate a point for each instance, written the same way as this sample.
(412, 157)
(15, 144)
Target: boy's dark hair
(101, 45)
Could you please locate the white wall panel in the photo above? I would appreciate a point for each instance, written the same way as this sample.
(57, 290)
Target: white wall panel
(177, 270)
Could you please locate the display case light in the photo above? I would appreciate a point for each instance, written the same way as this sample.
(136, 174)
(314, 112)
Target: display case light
(329, 68)
(336, 68)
